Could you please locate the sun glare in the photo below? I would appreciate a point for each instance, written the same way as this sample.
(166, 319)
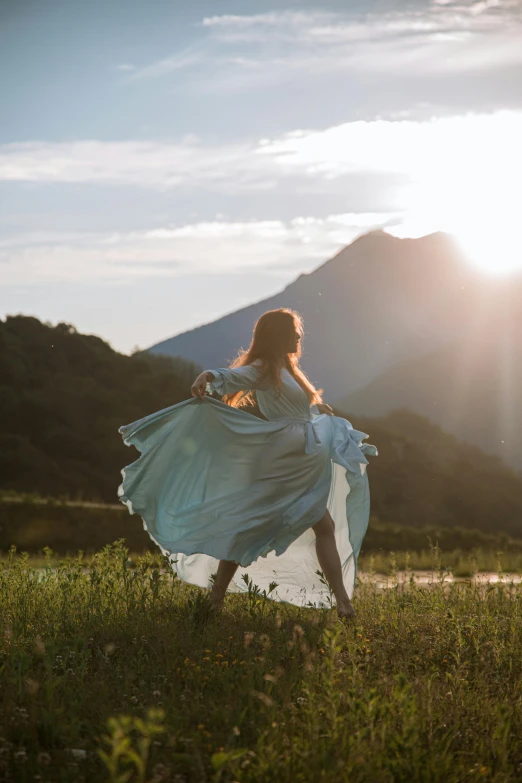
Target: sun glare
(463, 176)
(497, 249)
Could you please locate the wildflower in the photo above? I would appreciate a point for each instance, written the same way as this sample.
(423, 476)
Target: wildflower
(43, 759)
(201, 726)
(77, 753)
(156, 693)
(39, 646)
(264, 698)
(32, 686)
(160, 771)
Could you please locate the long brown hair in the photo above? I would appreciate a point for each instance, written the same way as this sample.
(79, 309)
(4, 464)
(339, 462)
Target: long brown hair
(272, 334)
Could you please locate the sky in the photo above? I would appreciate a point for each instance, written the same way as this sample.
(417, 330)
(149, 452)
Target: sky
(164, 163)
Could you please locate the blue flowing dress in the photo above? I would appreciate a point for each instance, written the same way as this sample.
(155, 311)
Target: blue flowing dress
(214, 482)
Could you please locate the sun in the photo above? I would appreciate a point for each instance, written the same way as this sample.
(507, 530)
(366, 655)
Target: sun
(481, 212)
(485, 227)
(496, 248)
(464, 177)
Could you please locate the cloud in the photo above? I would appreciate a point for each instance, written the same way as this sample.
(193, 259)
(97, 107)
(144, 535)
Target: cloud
(284, 247)
(189, 57)
(151, 164)
(457, 173)
(270, 48)
(270, 19)
(464, 172)
(452, 147)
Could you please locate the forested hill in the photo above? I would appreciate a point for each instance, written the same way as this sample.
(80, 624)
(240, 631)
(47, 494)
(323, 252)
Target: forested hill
(63, 396)
(424, 476)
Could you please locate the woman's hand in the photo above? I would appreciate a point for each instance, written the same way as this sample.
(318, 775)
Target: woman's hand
(199, 387)
(322, 407)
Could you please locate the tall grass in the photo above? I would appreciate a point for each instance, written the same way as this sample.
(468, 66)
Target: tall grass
(121, 673)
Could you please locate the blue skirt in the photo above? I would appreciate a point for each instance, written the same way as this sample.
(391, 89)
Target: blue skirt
(214, 482)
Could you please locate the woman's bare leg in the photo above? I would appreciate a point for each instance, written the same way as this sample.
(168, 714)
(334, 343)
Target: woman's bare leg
(225, 572)
(330, 563)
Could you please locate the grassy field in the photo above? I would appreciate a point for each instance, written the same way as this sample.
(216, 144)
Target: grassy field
(119, 673)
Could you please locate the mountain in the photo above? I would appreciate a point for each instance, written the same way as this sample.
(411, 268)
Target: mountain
(63, 396)
(379, 301)
(388, 321)
(473, 388)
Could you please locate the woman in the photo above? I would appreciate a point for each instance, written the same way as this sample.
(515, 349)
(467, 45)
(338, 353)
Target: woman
(282, 495)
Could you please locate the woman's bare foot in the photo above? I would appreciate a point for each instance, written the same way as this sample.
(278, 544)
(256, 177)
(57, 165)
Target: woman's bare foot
(217, 597)
(345, 611)
(220, 582)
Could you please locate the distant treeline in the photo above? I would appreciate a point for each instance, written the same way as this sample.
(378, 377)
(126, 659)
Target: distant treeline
(66, 528)
(425, 477)
(32, 524)
(386, 537)
(63, 396)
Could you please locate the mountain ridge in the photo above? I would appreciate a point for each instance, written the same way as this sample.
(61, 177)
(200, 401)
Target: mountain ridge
(223, 337)
(377, 304)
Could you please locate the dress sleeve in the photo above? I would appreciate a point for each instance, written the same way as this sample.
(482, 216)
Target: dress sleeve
(231, 380)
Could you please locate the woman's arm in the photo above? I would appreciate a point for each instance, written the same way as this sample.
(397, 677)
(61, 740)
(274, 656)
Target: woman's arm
(230, 380)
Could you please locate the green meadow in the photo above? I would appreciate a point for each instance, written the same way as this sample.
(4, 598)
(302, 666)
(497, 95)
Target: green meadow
(120, 672)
